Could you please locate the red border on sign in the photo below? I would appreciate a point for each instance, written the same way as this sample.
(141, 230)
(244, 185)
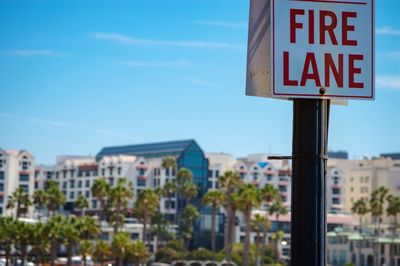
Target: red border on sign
(327, 95)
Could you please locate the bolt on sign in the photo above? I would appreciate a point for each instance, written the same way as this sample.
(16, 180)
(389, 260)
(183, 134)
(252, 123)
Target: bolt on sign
(319, 49)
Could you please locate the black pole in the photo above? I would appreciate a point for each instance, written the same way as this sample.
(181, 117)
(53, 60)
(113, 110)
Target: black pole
(310, 138)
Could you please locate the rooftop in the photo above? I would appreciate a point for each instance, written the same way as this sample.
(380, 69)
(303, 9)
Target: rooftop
(148, 150)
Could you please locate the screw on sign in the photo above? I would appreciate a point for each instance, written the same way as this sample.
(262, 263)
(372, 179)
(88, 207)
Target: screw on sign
(322, 48)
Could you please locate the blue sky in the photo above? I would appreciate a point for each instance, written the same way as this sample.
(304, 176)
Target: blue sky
(80, 75)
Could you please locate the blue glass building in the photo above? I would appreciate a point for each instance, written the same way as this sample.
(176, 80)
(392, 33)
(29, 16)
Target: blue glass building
(188, 153)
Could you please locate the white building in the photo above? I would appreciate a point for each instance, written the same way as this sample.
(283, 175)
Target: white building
(17, 169)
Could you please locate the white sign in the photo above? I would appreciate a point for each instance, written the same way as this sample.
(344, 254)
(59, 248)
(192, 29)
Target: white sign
(322, 49)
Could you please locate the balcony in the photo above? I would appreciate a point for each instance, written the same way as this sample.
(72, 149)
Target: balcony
(337, 186)
(140, 177)
(283, 183)
(24, 173)
(142, 167)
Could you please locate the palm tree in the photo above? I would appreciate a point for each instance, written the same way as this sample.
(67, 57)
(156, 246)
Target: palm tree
(40, 199)
(278, 235)
(102, 251)
(248, 197)
(40, 241)
(88, 228)
(169, 191)
(393, 209)
(71, 237)
(258, 225)
(55, 197)
(146, 205)
(229, 182)
(119, 197)
(119, 246)
(270, 193)
(377, 202)
(7, 236)
(160, 227)
(215, 199)
(137, 253)
(100, 190)
(184, 176)
(55, 229)
(360, 208)
(169, 163)
(23, 237)
(278, 209)
(82, 204)
(189, 191)
(85, 249)
(190, 214)
(265, 227)
(20, 201)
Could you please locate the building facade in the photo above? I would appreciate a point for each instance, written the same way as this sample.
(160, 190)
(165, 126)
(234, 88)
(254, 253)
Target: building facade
(17, 170)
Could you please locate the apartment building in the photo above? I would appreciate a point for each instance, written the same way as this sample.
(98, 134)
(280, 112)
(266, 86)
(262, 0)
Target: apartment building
(361, 177)
(17, 170)
(347, 246)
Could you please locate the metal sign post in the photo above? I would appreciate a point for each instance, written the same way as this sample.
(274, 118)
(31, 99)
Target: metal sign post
(308, 223)
(312, 52)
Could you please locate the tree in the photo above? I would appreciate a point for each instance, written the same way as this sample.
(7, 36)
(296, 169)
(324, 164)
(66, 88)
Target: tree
(247, 198)
(229, 182)
(184, 176)
(393, 210)
(270, 193)
(137, 253)
(146, 205)
(23, 235)
(159, 226)
(102, 252)
(7, 230)
(40, 241)
(117, 203)
(100, 190)
(277, 236)
(169, 163)
(20, 201)
(260, 225)
(55, 197)
(119, 246)
(189, 191)
(278, 209)
(88, 228)
(85, 249)
(169, 191)
(40, 199)
(82, 204)
(71, 236)
(55, 230)
(190, 214)
(360, 208)
(215, 199)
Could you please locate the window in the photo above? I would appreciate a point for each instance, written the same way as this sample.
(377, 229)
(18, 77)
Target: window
(25, 165)
(94, 204)
(141, 182)
(87, 173)
(79, 183)
(283, 188)
(25, 188)
(216, 173)
(336, 201)
(23, 177)
(336, 191)
(111, 181)
(87, 183)
(167, 171)
(141, 172)
(269, 177)
(72, 184)
(1, 175)
(87, 193)
(103, 172)
(119, 170)
(71, 195)
(64, 185)
(1, 199)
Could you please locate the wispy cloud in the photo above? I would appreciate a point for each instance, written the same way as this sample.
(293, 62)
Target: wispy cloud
(218, 23)
(387, 30)
(156, 64)
(388, 82)
(120, 38)
(48, 122)
(33, 53)
(202, 82)
(59, 125)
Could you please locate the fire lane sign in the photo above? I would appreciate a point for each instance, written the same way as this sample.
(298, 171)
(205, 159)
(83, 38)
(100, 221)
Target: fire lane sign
(322, 49)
